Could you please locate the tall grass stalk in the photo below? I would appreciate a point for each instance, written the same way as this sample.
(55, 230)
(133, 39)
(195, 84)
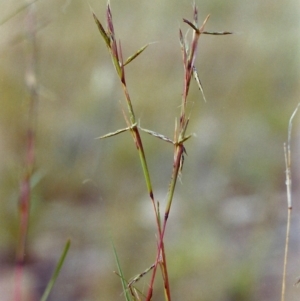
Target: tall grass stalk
(288, 182)
(25, 183)
(189, 53)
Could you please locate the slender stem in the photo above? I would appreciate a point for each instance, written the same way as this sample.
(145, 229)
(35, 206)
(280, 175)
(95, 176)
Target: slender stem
(179, 149)
(139, 145)
(288, 182)
(287, 237)
(25, 188)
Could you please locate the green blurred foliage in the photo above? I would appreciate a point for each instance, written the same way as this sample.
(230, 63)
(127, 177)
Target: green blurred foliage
(226, 231)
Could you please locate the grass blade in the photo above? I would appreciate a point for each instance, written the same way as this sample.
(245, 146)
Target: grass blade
(56, 271)
(218, 33)
(116, 132)
(131, 58)
(120, 272)
(160, 136)
(196, 76)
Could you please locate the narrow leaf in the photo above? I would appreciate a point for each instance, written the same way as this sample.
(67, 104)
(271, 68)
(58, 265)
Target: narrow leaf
(201, 29)
(56, 271)
(185, 139)
(131, 58)
(196, 76)
(191, 24)
(218, 33)
(160, 136)
(115, 133)
(123, 281)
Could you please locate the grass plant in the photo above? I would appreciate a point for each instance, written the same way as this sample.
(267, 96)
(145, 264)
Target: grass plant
(27, 180)
(189, 53)
(180, 137)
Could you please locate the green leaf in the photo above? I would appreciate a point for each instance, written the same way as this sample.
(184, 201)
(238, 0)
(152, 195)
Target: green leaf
(131, 58)
(185, 139)
(124, 284)
(56, 271)
(117, 132)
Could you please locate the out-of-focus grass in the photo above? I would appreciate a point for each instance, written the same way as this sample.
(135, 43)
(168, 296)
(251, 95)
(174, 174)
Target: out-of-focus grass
(231, 204)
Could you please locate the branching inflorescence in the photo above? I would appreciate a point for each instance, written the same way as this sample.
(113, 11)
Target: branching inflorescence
(189, 52)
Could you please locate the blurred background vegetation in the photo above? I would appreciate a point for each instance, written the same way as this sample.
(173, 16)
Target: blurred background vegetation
(225, 237)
